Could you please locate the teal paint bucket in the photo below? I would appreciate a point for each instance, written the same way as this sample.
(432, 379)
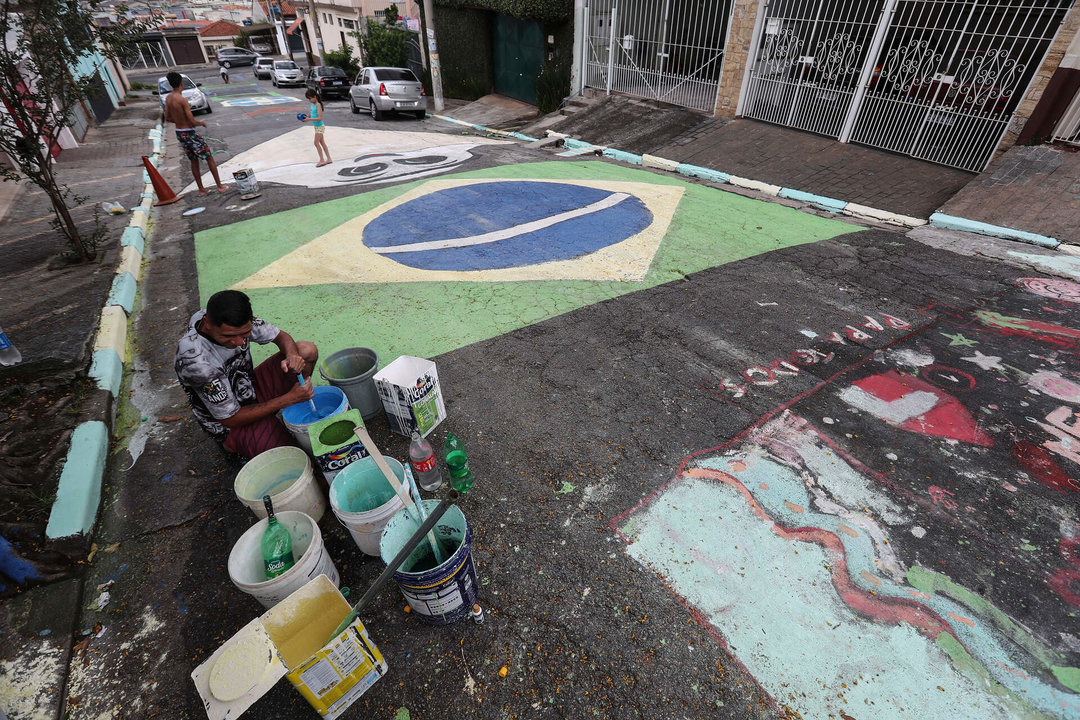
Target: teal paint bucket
(438, 594)
(329, 401)
(363, 501)
(353, 370)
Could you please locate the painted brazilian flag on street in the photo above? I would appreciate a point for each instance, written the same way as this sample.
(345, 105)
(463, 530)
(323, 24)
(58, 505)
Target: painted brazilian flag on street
(428, 267)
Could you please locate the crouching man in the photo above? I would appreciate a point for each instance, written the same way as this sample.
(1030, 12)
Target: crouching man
(235, 402)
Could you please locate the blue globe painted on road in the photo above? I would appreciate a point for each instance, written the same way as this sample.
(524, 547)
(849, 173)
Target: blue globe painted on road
(498, 225)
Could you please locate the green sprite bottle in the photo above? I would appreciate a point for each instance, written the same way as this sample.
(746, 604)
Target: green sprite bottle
(276, 544)
(457, 462)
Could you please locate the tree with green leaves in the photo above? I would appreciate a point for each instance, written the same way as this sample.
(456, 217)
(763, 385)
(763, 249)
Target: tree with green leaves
(50, 57)
(344, 59)
(383, 45)
(390, 17)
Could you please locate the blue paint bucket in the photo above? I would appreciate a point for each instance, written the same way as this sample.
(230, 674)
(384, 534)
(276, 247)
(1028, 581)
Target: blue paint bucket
(439, 594)
(329, 401)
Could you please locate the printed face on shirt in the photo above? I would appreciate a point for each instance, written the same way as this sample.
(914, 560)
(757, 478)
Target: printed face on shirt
(226, 335)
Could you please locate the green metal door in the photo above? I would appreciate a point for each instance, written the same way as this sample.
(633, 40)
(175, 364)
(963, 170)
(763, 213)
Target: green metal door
(518, 54)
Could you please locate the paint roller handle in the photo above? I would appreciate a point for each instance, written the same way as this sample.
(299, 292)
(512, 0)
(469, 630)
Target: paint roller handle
(391, 568)
(300, 377)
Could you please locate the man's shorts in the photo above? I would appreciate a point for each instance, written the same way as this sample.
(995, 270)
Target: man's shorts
(260, 436)
(193, 144)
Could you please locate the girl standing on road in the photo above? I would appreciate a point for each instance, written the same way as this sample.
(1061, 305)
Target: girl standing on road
(315, 115)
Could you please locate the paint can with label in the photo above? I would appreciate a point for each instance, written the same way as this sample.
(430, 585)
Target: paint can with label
(439, 593)
(246, 183)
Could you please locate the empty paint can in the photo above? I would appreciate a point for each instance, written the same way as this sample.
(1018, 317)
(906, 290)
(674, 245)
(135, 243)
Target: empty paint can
(246, 183)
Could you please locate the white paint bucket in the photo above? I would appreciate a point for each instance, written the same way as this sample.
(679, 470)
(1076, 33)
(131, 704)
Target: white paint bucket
(247, 571)
(246, 183)
(285, 474)
(364, 501)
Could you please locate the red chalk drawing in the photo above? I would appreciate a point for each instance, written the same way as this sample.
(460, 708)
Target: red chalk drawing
(938, 495)
(948, 378)
(1029, 328)
(1061, 581)
(1038, 463)
(916, 406)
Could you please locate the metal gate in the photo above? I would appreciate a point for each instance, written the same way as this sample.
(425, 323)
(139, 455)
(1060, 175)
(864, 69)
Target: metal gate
(667, 50)
(934, 79)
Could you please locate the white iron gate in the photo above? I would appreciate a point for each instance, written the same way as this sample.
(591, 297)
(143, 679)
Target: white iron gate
(668, 50)
(934, 79)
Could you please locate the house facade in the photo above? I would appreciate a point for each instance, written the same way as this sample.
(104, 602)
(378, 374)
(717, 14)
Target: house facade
(339, 18)
(217, 35)
(954, 82)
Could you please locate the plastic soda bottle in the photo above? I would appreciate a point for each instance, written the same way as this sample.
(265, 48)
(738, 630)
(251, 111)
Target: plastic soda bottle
(9, 354)
(425, 466)
(276, 544)
(457, 462)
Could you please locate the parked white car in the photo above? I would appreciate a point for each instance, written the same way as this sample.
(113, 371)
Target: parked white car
(195, 97)
(286, 72)
(380, 90)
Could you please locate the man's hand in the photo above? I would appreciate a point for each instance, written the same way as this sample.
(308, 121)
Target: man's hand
(292, 364)
(200, 122)
(299, 393)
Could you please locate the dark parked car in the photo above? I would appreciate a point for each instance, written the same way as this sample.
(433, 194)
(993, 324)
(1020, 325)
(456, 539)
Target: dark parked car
(329, 81)
(229, 56)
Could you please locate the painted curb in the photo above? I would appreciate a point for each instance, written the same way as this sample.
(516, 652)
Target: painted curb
(79, 492)
(702, 173)
(864, 211)
(818, 201)
(652, 161)
(108, 370)
(763, 187)
(78, 495)
(950, 222)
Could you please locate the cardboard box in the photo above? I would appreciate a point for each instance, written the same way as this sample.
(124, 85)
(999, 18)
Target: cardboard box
(289, 640)
(410, 394)
(335, 446)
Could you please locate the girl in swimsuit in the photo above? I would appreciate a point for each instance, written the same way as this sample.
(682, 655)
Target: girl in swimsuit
(315, 115)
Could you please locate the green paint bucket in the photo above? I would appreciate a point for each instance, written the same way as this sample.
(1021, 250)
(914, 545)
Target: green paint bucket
(363, 501)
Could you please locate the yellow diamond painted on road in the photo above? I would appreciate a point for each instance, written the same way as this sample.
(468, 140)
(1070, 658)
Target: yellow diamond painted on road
(489, 230)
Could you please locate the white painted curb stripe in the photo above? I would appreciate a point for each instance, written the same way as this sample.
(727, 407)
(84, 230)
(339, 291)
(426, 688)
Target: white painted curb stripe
(763, 187)
(652, 161)
(112, 334)
(864, 211)
(130, 261)
(497, 235)
(79, 492)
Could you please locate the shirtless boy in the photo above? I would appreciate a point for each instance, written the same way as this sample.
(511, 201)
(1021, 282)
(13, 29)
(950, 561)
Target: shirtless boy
(178, 112)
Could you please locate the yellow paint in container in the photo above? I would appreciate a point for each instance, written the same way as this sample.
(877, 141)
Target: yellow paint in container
(289, 640)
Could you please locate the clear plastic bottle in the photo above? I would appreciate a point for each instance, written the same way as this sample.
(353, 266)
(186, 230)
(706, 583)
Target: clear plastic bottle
(457, 462)
(425, 466)
(9, 354)
(276, 544)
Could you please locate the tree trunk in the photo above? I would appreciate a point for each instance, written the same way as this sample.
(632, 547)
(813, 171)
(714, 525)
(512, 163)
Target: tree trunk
(62, 213)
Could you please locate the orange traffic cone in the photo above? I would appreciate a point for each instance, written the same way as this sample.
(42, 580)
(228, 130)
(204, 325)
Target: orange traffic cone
(161, 188)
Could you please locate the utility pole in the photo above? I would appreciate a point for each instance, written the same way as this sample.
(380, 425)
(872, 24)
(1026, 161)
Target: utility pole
(433, 56)
(318, 32)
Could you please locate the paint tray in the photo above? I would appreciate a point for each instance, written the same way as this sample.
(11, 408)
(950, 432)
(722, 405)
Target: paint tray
(410, 394)
(288, 641)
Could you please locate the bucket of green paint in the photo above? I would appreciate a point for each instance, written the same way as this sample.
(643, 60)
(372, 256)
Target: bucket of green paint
(247, 569)
(285, 474)
(328, 401)
(364, 501)
(353, 370)
(443, 593)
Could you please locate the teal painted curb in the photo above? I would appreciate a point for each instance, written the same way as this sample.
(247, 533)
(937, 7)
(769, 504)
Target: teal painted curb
(950, 222)
(622, 156)
(572, 144)
(134, 236)
(825, 203)
(703, 173)
(145, 177)
(123, 292)
(79, 493)
(520, 136)
(108, 369)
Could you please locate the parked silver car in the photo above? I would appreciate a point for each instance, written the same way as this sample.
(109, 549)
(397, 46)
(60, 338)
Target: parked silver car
(195, 97)
(286, 72)
(262, 67)
(385, 89)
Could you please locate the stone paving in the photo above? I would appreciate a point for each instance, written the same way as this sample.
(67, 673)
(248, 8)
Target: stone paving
(1032, 188)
